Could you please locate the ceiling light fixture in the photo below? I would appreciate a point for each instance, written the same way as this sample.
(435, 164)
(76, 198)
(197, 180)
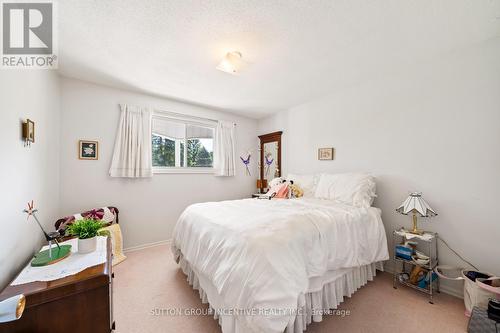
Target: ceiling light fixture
(231, 63)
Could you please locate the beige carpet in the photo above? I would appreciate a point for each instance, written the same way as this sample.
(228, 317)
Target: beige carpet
(149, 279)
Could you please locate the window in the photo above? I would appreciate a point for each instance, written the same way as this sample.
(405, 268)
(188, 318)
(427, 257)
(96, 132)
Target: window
(181, 145)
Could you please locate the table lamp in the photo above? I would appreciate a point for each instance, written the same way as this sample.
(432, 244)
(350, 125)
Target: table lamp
(261, 184)
(415, 204)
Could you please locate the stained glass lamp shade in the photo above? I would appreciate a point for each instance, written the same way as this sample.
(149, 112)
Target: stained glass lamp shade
(415, 204)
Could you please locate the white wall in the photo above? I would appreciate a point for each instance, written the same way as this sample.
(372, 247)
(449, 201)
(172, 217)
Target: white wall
(149, 208)
(27, 173)
(434, 128)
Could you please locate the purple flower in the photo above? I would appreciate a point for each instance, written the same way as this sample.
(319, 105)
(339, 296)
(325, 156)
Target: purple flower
(246, 161)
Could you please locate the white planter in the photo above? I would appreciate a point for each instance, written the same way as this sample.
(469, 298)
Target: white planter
(87, 245)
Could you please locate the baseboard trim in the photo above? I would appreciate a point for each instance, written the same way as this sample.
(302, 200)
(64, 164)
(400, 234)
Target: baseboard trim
(451, 291)
(147, 246)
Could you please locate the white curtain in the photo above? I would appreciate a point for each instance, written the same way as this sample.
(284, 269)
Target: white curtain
(224, 160)
(132, 154)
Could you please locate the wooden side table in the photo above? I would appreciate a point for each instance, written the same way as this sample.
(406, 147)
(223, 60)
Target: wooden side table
(79, 303)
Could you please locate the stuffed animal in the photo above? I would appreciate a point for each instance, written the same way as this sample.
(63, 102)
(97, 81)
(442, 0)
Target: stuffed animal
(276, 181)
(295, 191)
(281, 188)
(278, 188)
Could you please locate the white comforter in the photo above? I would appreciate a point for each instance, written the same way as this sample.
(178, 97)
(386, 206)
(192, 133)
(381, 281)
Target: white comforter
(260, 254)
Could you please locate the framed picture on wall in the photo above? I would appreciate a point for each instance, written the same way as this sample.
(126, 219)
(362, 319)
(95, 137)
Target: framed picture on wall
(325, 154)
(88, 150)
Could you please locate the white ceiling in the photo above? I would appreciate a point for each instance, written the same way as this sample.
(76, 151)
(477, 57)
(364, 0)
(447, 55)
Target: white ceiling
(296, 50)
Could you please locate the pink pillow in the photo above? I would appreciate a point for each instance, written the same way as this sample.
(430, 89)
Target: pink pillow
(280, 191)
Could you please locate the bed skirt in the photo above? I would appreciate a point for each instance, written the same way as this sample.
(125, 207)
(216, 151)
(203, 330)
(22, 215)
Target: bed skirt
(310, 305)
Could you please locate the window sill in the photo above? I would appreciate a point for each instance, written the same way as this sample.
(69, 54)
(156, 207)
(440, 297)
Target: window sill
(157, 170)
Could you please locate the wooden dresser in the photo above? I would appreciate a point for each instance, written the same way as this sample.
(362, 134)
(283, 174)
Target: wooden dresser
(78, 303)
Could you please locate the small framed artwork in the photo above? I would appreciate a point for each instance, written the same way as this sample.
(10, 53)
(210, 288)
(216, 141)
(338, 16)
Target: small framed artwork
(88, 150)
(325, 154)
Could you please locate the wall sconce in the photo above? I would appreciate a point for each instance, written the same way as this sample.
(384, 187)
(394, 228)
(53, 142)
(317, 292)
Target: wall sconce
(28, 132)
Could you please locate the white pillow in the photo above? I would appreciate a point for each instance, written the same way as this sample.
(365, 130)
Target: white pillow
(356, 189)
(307, 183)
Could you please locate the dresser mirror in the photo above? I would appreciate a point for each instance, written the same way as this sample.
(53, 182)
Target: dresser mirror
(270, 158)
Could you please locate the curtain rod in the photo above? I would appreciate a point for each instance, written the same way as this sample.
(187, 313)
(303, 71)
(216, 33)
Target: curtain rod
(182, 115)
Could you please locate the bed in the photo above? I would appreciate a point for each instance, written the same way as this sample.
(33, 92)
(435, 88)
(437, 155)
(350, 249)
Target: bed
(276, 265)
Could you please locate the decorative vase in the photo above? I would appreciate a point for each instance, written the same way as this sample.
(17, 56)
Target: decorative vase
(87, 245)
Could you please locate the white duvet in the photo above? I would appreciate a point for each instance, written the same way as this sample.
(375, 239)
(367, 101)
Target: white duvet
(260, 254)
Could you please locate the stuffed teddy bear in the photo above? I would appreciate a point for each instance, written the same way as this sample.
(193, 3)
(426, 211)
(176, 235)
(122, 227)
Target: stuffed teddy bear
(276, 181)
(295, 191)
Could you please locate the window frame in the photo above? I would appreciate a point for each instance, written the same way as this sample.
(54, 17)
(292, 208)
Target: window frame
(187, 120)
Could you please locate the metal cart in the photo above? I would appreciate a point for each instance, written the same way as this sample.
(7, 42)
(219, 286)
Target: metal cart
(427, 244)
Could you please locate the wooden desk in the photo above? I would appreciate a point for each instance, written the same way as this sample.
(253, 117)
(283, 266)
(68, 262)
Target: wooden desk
(78, 303)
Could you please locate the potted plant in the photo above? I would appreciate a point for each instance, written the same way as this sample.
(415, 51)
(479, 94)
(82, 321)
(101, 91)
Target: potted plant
(86, 230)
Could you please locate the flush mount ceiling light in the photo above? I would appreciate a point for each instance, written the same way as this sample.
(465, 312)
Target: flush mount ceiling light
(231, 63)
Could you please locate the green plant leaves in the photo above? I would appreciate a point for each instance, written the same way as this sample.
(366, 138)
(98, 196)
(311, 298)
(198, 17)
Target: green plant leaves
(85, 228)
